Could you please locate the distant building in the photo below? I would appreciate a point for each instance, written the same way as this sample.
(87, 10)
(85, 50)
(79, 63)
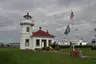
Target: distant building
(32, 40)
(65, 42)
(17, 45)
(74, 41)
(79, 42)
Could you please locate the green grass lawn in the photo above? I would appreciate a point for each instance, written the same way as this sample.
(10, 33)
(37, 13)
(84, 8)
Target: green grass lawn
(15, 56)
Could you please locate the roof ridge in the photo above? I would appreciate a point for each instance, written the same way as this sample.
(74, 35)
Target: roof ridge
(42, 33)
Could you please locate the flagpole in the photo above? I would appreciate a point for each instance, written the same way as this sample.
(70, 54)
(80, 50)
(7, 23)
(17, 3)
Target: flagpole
(68, 29)
(72, 26)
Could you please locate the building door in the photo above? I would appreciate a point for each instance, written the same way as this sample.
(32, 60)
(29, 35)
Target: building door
(27, 42)
(45, 42)
(50, 42)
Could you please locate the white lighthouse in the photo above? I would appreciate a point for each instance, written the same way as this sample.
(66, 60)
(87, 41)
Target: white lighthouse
(26, 32)
(32, 40)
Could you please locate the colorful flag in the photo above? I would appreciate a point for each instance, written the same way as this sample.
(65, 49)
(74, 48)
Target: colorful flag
(67, 30)
(71, 15)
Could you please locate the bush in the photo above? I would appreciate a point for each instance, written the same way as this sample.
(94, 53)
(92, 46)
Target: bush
(57, 47)
(38, 49)
(76, 46)
(47, 48)
(93, 47)
(43, 48)
(54, 45)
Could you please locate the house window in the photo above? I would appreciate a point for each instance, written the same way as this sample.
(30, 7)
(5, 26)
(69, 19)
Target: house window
(26, 42)
(27, 29)
(50, 42)
(37, 42)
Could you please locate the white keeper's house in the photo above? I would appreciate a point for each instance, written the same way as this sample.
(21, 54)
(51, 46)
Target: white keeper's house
(32, 40)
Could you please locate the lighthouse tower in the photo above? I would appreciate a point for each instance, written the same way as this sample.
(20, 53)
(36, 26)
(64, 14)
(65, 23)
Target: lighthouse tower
(26, 32)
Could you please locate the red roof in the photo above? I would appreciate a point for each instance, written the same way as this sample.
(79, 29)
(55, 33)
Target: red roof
(42, 33)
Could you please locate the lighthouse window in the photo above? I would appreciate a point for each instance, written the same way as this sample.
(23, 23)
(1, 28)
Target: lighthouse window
(27, 29)
(26, 42)
(37, 42)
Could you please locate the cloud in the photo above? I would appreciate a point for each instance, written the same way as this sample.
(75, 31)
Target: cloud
(51, 15)
(8, 28)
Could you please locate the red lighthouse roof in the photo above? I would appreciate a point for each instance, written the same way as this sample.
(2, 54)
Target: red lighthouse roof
(41, 33)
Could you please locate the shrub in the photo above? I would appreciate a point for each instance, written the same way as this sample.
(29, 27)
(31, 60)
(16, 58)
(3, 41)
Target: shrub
(57, 47)
(54, 45)
(38, 49)
(47, 48)
(93, 47)
(43, 48)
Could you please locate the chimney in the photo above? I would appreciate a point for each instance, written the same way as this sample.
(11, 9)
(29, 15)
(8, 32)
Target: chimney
(27, 13)
(47, 31)
(39, 28)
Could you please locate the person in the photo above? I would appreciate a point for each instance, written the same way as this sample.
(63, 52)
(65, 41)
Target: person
(70, 48)
(70, 44)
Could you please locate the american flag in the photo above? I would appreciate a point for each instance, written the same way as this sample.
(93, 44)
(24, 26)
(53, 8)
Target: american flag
(71, 15)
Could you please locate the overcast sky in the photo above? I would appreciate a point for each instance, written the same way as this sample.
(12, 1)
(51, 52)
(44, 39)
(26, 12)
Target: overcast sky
(51, 15)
